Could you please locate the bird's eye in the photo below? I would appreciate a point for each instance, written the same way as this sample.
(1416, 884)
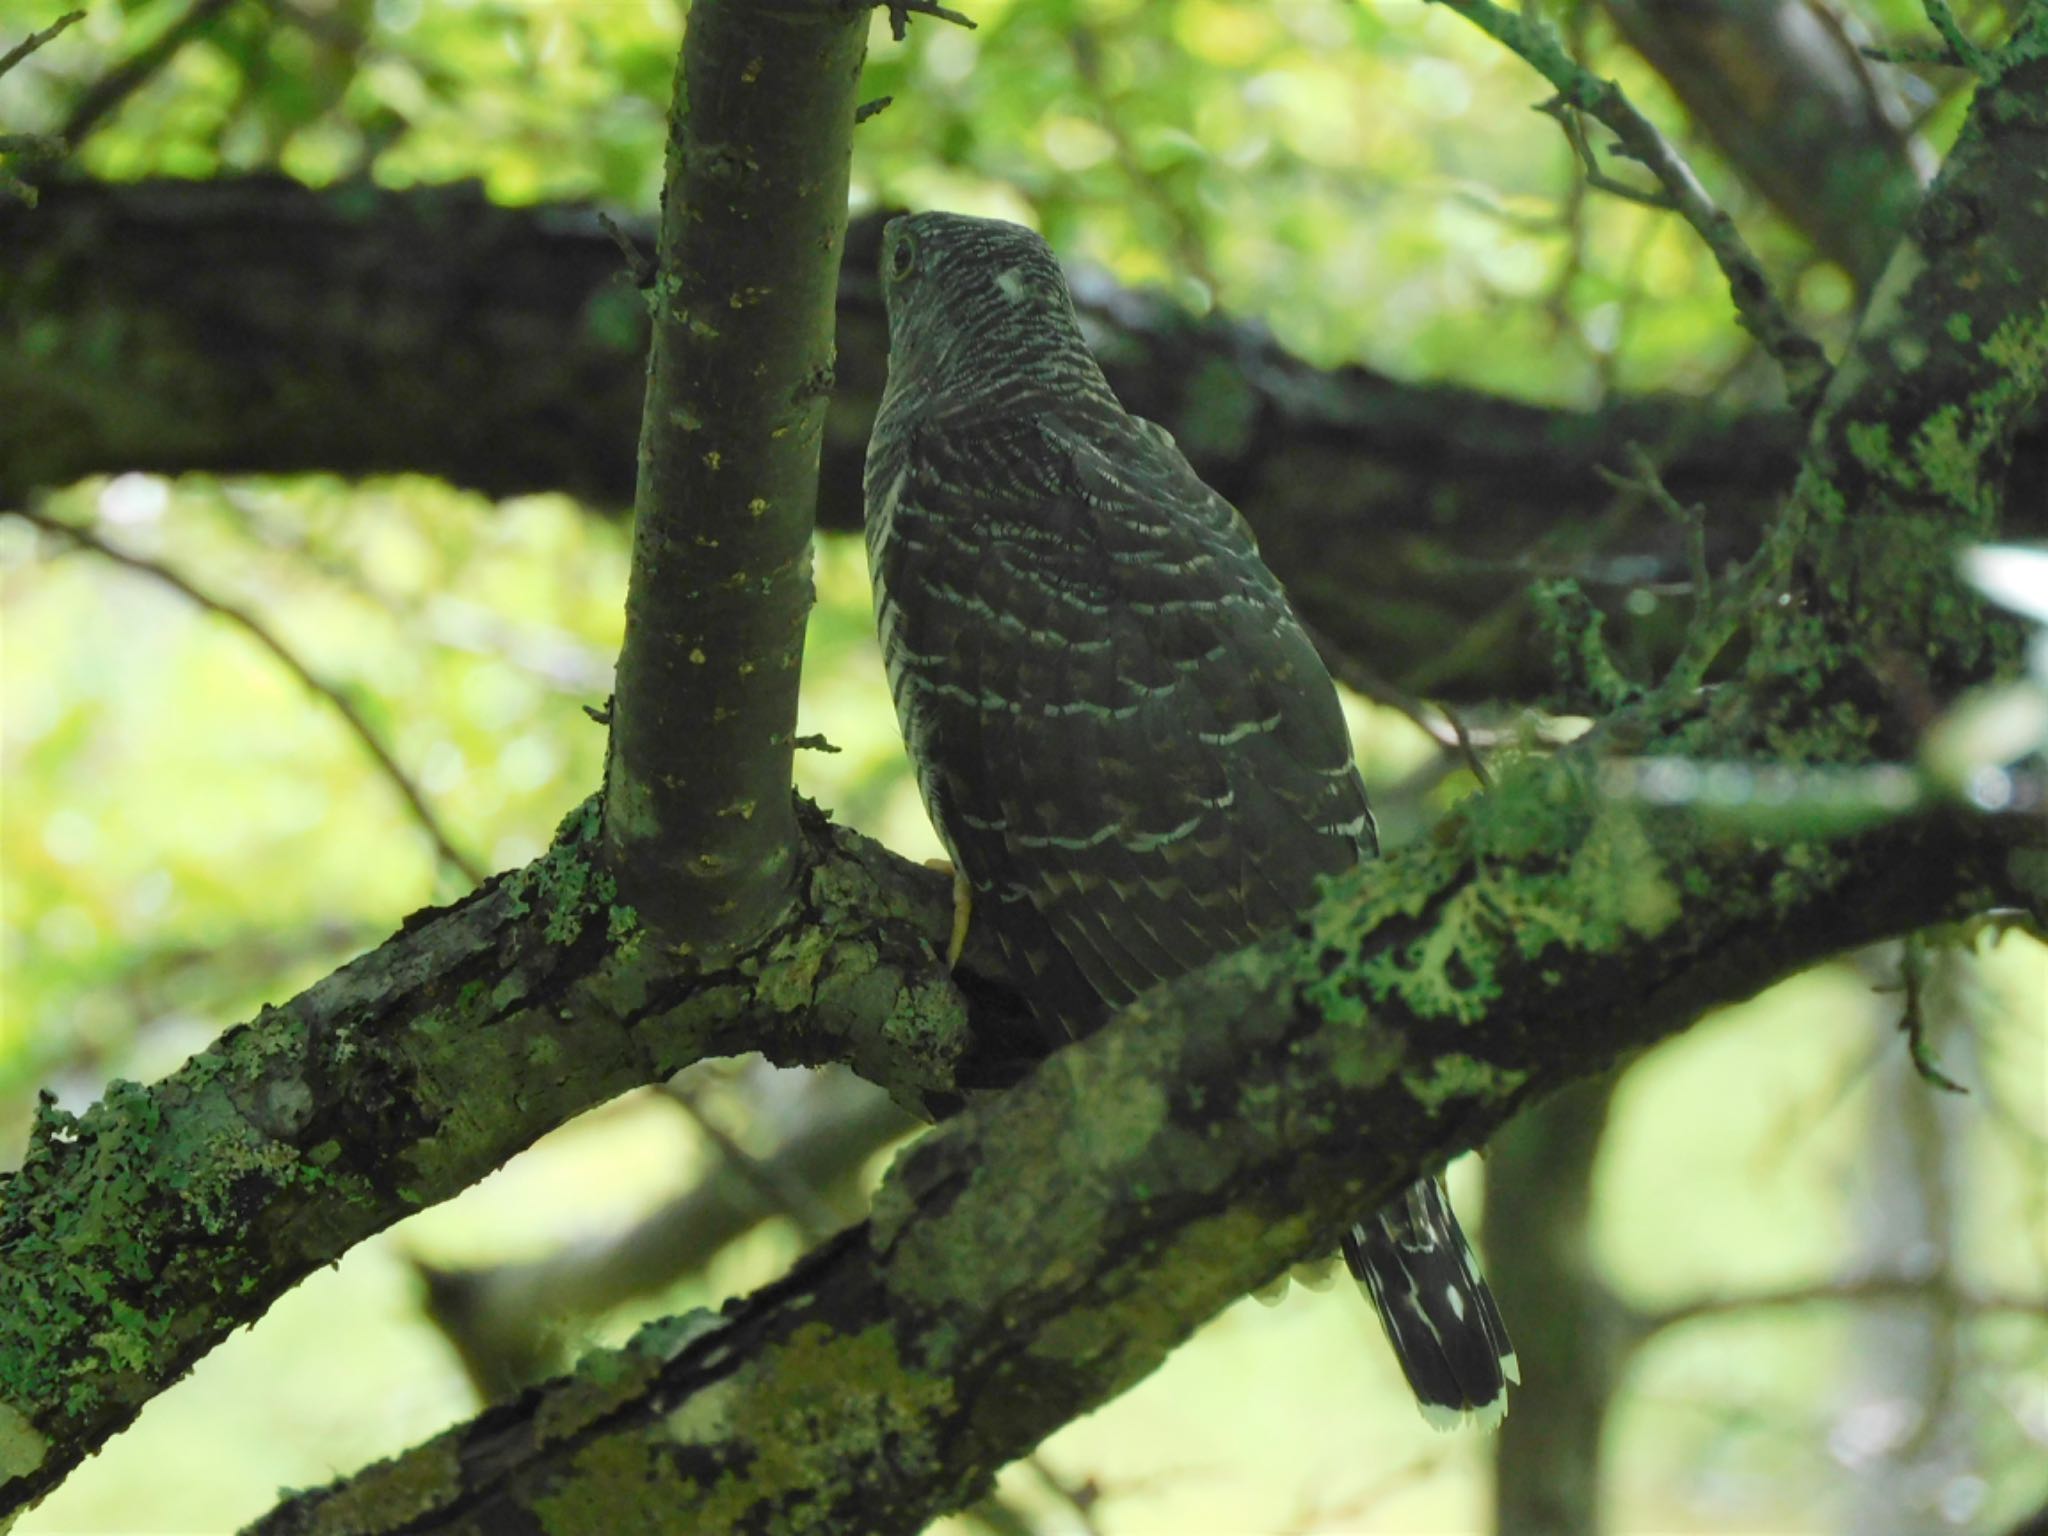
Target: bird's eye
(902, 258)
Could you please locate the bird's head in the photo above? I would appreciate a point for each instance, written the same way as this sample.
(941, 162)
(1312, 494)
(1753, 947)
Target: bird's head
(978, 305)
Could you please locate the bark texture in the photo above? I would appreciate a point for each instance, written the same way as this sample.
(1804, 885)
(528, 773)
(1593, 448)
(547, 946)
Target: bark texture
(1051, 1246)
(135, 1237)
(697, 811)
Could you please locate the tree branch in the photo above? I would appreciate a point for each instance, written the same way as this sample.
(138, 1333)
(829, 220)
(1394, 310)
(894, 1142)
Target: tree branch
(1798, 356)
(508, 355)
(1049, 1247)
(312, 682)
(501, 1319)
(34, 147)
(1915, 1290)
(35, 40)
(1783, 92)
(136, 1236)
(106, 94)
(697, 819)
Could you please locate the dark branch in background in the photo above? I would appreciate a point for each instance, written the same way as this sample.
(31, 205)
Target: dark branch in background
(506, 1322)
(106, 94)
(697, 818)
(504, 349)
(1782, 90)
(1907, 1289)
(1798, 356)
(777, 1185)
(312, 682)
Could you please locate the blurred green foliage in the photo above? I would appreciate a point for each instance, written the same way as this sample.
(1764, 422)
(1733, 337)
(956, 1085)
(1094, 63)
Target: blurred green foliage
(188, 833)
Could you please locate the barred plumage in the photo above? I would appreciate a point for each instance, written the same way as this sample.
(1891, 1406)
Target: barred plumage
(1121, 731)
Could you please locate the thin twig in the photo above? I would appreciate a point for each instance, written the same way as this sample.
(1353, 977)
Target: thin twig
(639, 265)
(1368, 684)
(771, 1180)
(1080, 1498)
(124, 79)
(36, 148)
(900, 12)
(1864, 1289)
(1950, 31)
(1645, 481)
(1918, 56)
(1804, 365)
(1913, 1016)
(35, 40)
(1567, 118)
(85, 538)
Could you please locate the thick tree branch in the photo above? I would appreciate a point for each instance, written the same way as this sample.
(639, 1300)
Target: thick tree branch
(367, 331)
(1049, 1247)
(697, 812)
(136, 1236)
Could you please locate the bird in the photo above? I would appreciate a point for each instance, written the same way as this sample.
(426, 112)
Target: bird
(1121, 731)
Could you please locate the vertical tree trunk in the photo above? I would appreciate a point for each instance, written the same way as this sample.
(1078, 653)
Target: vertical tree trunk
(1897, 1429)
(699, 823)
(1539, 1184)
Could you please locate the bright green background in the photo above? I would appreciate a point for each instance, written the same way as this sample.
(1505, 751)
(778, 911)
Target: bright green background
(187, 834)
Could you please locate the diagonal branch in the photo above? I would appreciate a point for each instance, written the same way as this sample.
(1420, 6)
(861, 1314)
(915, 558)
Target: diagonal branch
(106, 94)
(1050, 1247)
(504, 1320)
(311, 681)
(138, 1235)
(1798, 356)
(35, 40)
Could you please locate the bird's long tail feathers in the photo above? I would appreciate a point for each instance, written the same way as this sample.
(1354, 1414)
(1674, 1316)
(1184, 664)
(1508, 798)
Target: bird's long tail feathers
(1413, 1261)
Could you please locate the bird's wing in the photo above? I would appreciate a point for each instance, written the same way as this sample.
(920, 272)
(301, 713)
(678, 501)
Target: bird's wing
(1126, 737)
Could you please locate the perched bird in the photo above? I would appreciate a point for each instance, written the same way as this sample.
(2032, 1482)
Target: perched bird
(1122, 733)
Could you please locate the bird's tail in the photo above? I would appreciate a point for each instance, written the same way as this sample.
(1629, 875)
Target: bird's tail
(1413, 1261)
